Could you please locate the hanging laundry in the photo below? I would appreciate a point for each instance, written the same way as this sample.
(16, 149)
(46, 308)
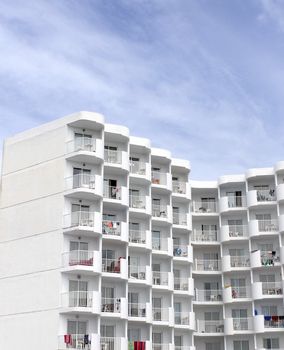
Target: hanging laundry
(68, 339)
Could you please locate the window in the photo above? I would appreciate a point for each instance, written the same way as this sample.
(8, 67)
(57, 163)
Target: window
(271, 343)
(156, 240)
(77, 327)
(269, 310)
(134, 334)
(213, 346)
(78, 245)
(241, 345)
(81, 177)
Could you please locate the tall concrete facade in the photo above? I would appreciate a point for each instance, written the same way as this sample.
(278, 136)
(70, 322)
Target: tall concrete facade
(105, 244)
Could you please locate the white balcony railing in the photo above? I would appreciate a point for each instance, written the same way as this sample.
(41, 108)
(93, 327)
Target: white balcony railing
(137, 202)
(181, 318)
(159, 346)
(180, 251)
(137, 167)
(137, 309)
(243, 324)
(274, 321)
(205, 235)
(111, 305)
(81, 144)
(159, 178)
(160, 278)
(111, 265)
(77, 299)
(112, 192)
(137, 272)
(79, 218)
(159, 211)
(241, 292)
(179, 187)
(207, 265)
(238, 230)
(180, 219)
(240, 261)
(204, 326)
(269, 258)
(236, 201)
(78, 257)
(272, 288)
(205, 206)
(75, 341)
(161, 314)
(181, 283)
(211, 295)
(80, 181)
(268, 225)
(112, 228)
(112, 156)
(265, 195)
(109, 343)
(137, 236)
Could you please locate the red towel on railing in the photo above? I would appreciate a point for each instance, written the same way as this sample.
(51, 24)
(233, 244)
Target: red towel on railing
(67, 339)
(139, 345)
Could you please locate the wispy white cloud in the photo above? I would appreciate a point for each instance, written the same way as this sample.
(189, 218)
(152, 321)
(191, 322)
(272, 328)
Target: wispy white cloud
(149, 65)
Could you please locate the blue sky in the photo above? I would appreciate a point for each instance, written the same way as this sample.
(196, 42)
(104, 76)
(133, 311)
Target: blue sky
(204, 78)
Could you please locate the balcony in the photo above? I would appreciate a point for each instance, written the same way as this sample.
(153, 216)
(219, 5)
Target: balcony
(161, 213)
(116, 194)
(114, 307)
(162, 280)
(78, 341)
(116, 268)
(181, 220)
(207, 266)
(234, 232)
(140, 204)
(83, 186)
(261, 197)
(210, 327)
(264, 258)
(183, 285)
(208, 296)
(271, 323)
(263, 227)
(242, 325)
(139, 274)
(232, 203)
(82, 260)
(267, 290)
(85, 222)
(236, 294)
(204, 236)
(163, 316)
(112, 343)
(114, 230)
(85, 150)
(161, 180)
(235, 263)
(183, 253)
(204, 207)
(162, 246)
(116, 159)
(180, 188)
(140, 312)
(140, 170)
(80, 301)
(185, 320)
(140, 238)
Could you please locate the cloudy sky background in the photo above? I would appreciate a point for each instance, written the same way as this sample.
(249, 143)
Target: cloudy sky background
(204, 78)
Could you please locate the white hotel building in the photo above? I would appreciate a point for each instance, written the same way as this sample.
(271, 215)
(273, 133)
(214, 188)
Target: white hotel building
(106, 245)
